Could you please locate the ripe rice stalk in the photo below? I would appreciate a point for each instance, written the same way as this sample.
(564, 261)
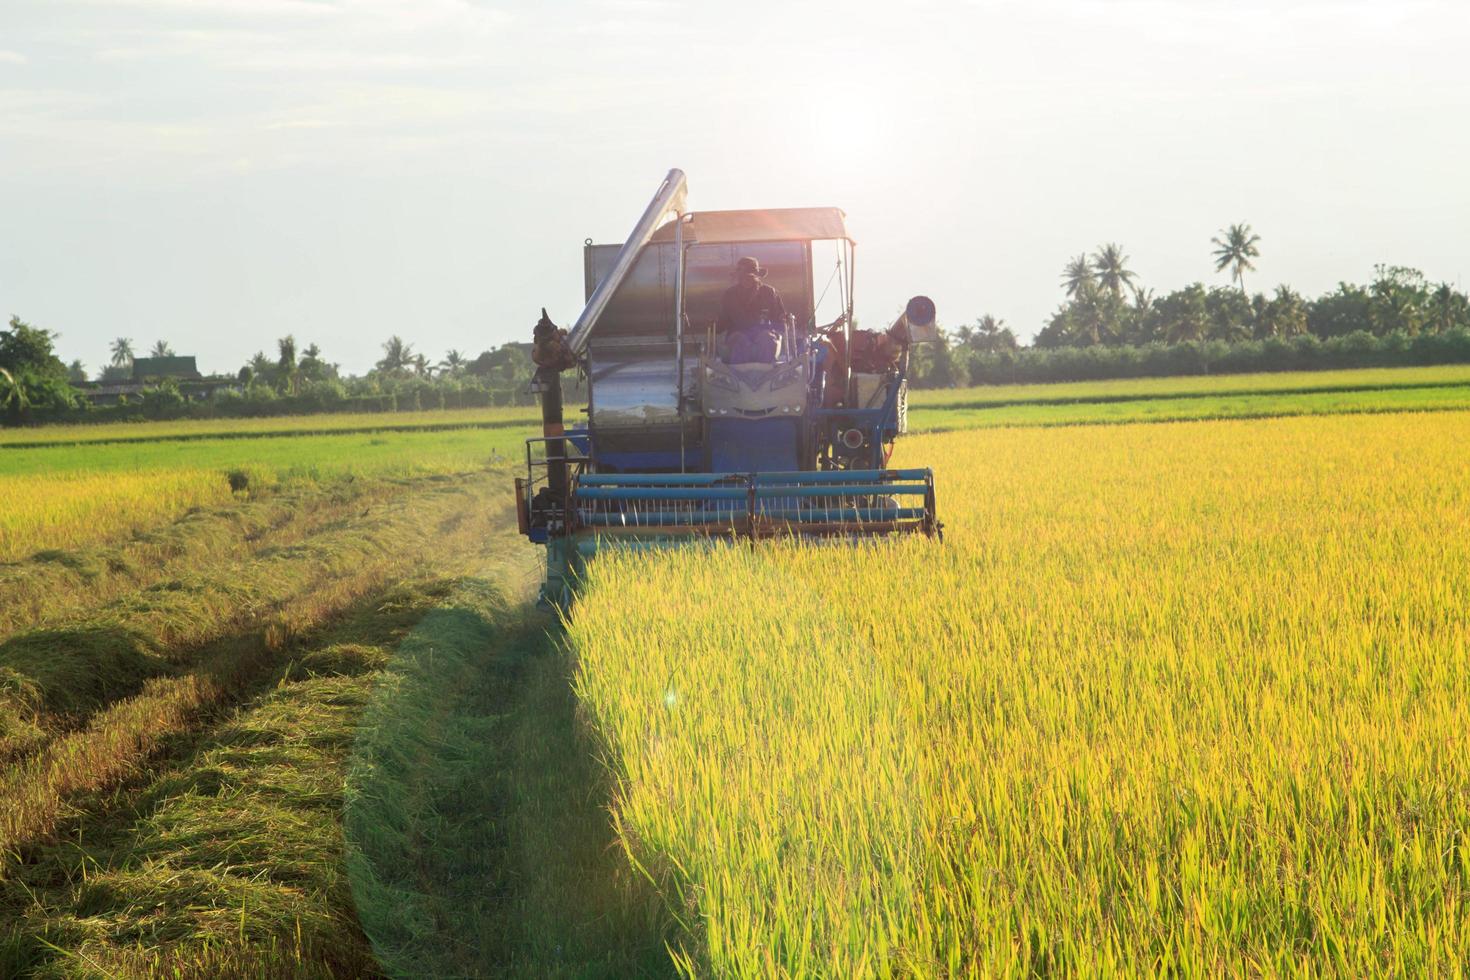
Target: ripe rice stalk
(1177, 698)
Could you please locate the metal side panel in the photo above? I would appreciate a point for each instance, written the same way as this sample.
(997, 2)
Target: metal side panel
(636, 386)
(643, 305)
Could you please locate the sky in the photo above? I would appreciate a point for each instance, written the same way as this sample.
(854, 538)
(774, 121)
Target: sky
(220, 173)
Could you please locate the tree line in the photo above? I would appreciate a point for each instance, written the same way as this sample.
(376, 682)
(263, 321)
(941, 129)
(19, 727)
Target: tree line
(35, 386)
(1109, 325)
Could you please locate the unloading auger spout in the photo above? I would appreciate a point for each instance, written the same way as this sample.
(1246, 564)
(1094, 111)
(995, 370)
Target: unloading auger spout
(700, 426)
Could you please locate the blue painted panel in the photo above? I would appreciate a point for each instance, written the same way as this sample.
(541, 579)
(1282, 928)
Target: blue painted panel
(658, 462)
(749, 446)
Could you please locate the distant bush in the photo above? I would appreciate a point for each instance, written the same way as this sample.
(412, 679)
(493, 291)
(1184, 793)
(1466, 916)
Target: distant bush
(169, 400)
(1359, 349)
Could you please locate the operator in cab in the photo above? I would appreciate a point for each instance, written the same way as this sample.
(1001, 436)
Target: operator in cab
(751, 316)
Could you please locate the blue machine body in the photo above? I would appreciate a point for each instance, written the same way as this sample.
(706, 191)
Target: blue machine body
(679, 445)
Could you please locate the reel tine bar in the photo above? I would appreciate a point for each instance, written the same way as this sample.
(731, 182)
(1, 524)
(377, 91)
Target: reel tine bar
(826, 503)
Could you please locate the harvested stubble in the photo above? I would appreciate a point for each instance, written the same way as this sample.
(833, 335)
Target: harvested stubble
(57, 584)
(57, 512)
(81, 704)
(1182, 698)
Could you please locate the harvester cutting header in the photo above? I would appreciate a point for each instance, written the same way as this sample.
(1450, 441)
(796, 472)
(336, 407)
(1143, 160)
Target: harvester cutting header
(717, 406)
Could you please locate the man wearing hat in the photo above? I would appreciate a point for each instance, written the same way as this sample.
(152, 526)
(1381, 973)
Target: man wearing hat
(751, 315)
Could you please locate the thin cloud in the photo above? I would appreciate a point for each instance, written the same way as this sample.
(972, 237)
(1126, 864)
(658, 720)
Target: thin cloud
(12, 58)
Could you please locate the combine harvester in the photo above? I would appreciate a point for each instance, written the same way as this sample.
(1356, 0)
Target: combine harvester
(680, 443)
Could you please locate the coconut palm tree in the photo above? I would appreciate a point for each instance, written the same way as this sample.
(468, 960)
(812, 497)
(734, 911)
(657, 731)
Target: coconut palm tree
(989, 334)
(1110, 269)
(1285, 315)
(1141, 316)
(454, 362)
(397, 355)
(13, 397)
(122, 352)
(286, 362)
(161, 349)
(1448, 308)
(1235, 247)
(1077, 277)
(286, 347)
(260, 365)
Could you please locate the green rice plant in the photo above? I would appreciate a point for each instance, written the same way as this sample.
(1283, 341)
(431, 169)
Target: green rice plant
(1182, 698)
(297, 425)
(1130, 389)
(946, 416)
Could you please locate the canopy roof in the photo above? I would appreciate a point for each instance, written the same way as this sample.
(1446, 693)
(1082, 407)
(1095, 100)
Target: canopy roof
(771, 225)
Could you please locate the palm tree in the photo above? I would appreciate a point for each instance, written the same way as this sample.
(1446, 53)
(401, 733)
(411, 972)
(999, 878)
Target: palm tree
(122, 352)
(396, 355)
(1141, 316)
(13, 395)
(1110, 267)
(1235, 250)
(1448, 308)
(76, 372)
(286, 346)
(1077, 277)
(161, 349)
(260, 365)
(453, 362)
(989, 334)
(422, 367)
(1284, 315)
(286, 362)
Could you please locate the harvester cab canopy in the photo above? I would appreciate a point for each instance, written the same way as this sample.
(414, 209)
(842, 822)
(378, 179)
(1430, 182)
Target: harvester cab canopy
(699, 427)
(770, 225)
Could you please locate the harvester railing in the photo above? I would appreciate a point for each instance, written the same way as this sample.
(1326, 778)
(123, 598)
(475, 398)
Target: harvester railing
(538, 514)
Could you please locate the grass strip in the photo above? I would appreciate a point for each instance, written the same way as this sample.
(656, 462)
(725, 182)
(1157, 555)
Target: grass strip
(523, 420)
(1366, 402)
(1132, 389)
(479, 837)
(948, 400)
(107, 430)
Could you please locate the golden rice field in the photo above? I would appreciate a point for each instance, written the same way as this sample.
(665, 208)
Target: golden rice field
(1189, 698)
(69, 496)
(43, 511)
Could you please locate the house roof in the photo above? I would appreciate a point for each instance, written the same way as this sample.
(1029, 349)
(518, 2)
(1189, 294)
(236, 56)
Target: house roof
(165, 367)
